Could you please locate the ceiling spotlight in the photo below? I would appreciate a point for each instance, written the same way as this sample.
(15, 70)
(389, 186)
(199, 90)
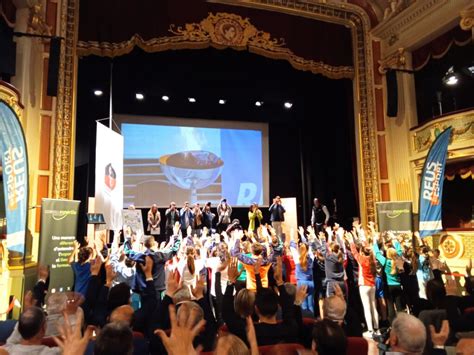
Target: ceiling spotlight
(98, 92)
(258, 103)
(221, 101)
(450, 78)
(165, 98)
(288, 104)
(139, 96)
(191, 99)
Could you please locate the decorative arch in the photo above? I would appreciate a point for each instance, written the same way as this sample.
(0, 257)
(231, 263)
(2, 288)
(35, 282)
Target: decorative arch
(345, 14)
(219, 30)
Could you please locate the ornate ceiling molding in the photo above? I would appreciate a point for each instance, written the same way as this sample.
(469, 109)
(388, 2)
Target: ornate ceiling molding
(220, 30)
(467, 18)
(418, 24)
(397, 60)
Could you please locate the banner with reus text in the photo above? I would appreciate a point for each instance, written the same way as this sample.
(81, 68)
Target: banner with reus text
(59, 220)
(396, 216)
(431, 187)
(15, 181)
(109, 176)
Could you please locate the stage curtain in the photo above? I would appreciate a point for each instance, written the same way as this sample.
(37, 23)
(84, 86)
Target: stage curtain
(463, 169)
(123, 23)
(438, 47)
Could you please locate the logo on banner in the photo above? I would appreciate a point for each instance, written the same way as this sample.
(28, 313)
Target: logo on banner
(14, 168)
(431, 182)
(110, 178)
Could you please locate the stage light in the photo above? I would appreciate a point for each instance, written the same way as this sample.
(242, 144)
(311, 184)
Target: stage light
(221, 101)
(98, 92)
(139, 96)
(288, 105)
(450, 78)
(165, 98)
(191, 99)
(258, 103)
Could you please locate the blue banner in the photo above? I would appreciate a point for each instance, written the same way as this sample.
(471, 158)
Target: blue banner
(431, 188)
(15, 179)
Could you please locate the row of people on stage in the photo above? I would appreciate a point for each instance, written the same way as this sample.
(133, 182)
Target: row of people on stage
(198, 217)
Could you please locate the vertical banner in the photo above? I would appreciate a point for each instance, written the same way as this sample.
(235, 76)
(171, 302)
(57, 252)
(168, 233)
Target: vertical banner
(109, 176)
(291, 217)
(395, 216)
(431, 187)
(58, 232)
(15, 182)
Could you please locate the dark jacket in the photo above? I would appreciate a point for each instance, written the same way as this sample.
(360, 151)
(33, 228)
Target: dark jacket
(277, 213)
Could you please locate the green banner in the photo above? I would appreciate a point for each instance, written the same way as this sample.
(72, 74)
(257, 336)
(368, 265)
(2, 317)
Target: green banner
(395, 216)
(58, 232)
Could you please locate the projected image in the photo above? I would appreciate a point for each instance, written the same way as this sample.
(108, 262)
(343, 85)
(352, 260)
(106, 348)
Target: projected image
(164, 163)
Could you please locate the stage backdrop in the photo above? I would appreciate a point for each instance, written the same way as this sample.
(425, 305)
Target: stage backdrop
(395, 216)
(109, 176)
(57, 236)
(15, 181)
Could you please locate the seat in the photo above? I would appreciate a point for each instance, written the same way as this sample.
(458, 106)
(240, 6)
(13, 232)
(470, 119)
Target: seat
(289, 349)
(469, 310)
(357, 346)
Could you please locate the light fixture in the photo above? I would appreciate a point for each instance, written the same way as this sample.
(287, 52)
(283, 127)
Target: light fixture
(165, 98)
(288, 105)
(450, 78)
(191, 99)
(221, 101)
(258, 103)
(98, 92)
(139, 96)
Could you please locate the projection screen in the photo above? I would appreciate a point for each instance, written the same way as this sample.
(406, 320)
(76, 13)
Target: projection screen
(195, 160)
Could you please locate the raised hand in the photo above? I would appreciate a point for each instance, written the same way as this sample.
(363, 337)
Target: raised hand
(233, 270)
(198, 291)
(469, 267)
(176, 228)
(301, 293)
(109, 274)
(257, 265)
(96, 264)
(180, 341)
(71, 341)
(173, 283)
(278, 272)
(439, 339)
(148, 267)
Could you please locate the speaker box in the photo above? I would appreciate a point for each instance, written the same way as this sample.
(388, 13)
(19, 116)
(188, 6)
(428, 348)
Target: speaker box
(392, 93)
(7, 51)
(53, 66)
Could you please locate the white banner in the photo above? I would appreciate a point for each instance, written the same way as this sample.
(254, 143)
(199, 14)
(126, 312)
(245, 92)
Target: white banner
(109, 176)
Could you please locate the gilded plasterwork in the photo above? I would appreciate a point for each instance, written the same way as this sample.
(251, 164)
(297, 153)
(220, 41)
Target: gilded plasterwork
(11, 97)
(467, 18)
(463, 130)
(65, 115)
(221, 30)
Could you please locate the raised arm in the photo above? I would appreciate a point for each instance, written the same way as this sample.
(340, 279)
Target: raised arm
(378, 254)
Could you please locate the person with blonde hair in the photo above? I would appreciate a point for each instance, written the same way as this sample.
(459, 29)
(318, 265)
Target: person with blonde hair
(303, 258)
(393, 266)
